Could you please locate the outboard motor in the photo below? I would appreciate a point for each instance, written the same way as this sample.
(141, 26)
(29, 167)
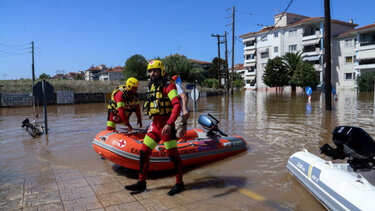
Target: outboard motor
(354, 143)
(33, 129)
(211, 124)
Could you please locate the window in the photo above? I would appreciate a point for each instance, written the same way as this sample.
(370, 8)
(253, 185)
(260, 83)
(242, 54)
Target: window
(276, 49)
(249, 56)
(349, 76)
(348, 59)
(264, 55)
(276, 34)
(251, 70)
(292, 48)
(293, 33)
(348, 43)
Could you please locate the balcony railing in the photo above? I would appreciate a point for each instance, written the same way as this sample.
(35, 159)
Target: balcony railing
(367, 43)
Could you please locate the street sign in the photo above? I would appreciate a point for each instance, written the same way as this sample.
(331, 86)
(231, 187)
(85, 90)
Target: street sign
(38, 92)
(308, 90)
(194, 94)
(190, 86)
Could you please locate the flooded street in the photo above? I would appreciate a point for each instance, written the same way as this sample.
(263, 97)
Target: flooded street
(275, 125)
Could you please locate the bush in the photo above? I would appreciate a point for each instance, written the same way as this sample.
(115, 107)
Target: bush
(366, 81)
(210, 83)
(239, 83)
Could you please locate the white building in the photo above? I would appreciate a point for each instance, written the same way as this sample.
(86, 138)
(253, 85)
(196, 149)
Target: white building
(292, 33)
(352, 53)
(93, 73)
(114, 74)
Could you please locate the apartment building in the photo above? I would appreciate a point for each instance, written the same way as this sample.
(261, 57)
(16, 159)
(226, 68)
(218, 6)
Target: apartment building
(93, 73)
(112, 74)
(291, 33)
(353, 52)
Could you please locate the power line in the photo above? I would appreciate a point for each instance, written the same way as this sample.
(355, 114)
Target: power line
(282, 14)
(257, 24)
(243, 12)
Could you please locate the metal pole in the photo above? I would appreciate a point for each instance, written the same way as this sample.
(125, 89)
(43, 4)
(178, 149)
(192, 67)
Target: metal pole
(218, 60)
(45, 105)
(232, 50)
(33, 75)
(226, 62)
(327, 54)
(32, 65)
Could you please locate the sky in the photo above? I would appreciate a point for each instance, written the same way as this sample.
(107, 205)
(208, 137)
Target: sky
(73, 35)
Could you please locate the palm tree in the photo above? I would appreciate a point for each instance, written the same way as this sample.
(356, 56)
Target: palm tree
(291, 62)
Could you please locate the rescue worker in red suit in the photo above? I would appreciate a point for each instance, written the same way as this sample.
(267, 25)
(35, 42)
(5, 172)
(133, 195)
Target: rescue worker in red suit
(124, 101)
(164, 106)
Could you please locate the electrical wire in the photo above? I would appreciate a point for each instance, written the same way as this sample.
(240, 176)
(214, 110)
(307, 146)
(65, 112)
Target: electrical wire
(282, 14)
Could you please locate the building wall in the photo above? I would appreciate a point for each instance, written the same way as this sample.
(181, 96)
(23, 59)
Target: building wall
(293, 35)
(340, 65)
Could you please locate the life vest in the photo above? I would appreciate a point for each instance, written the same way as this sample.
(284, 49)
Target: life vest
(157, 103)
(130, 100)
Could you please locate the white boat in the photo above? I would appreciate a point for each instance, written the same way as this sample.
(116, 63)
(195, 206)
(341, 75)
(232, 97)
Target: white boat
(338, 186)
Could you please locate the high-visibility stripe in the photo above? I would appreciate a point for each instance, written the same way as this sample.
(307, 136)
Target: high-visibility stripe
(111, 124)
(251, 194)
(120, 104)
(170, 144)
(148, 141)
(310, 168)
(172, 94)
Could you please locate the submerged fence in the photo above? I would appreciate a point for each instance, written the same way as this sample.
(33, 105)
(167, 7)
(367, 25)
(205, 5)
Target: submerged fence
(68, 97)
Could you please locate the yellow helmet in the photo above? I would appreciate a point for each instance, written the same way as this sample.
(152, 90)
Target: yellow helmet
(132, 82)
(157, 64)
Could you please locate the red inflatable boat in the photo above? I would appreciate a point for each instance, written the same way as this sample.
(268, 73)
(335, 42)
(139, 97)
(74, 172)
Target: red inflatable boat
(123, 148)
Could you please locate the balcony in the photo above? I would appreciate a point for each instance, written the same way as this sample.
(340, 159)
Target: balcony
(250, 47)
(310, 36)
(250, 63)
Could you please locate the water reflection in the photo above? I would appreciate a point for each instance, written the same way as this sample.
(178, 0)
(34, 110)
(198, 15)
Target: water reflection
(275, 126)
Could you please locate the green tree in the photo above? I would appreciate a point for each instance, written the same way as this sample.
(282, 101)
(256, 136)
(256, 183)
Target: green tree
(366, 81)
(238, 80)
(44, 76)
(213, 71)
(276, 74)
(136, 66)
(78, 77)
(210, 83)
(291, 62)
(180, 65)
(305, 75)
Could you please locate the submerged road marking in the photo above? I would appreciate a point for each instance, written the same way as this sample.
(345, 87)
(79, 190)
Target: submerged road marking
(251, 194)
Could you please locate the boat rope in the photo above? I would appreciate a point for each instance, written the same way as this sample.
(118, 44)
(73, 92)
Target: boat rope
(191, 144)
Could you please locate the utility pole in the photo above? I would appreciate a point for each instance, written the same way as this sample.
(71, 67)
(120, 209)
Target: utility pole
(218, 55)
(32, 65)
(226, 62)
(232, 51)
(327, 54)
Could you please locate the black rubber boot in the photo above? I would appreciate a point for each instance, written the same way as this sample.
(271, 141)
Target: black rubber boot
(139, 186)
(179, 187)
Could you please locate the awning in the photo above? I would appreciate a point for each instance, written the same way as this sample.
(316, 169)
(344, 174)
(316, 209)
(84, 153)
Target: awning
(310, 42)
(369, 54)
(265, 50)
(249, 39)
(311, 58)
(250, 52)
(251, 64)
(250, 77)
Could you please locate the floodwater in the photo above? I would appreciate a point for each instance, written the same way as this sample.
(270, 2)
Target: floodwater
(275, 125)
